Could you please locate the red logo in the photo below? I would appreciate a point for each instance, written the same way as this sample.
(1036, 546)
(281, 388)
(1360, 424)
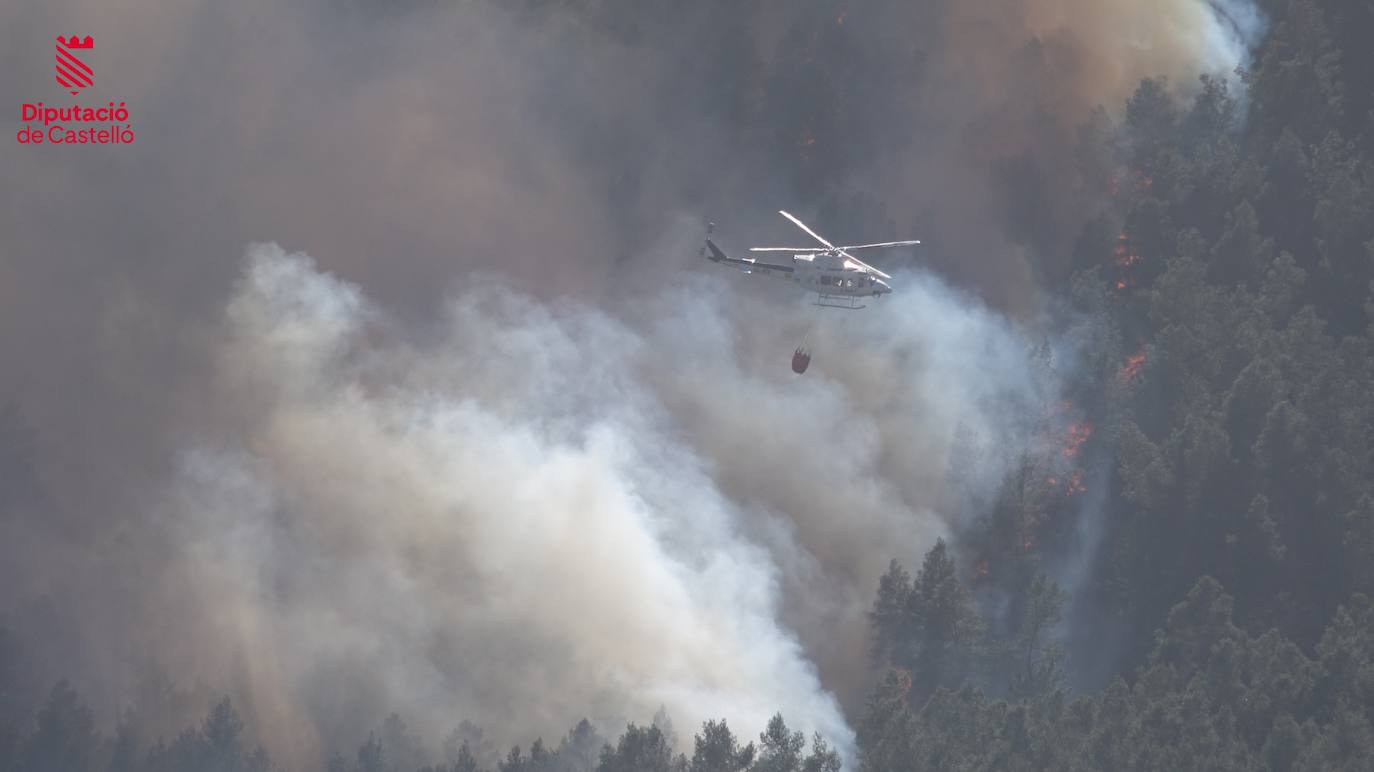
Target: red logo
(74, 124)
(72, 73)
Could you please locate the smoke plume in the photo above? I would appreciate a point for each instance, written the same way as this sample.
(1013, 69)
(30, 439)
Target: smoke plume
(501, 449)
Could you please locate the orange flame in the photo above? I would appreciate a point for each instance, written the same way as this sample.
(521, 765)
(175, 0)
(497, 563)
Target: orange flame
(1132, 368)
(1122, 254)
(1078, 434)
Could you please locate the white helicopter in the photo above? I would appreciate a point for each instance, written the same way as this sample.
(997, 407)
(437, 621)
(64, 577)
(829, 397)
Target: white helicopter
(838, 278)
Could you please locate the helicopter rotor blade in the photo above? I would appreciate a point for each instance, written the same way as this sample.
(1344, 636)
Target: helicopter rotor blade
(883, 244)
(854, 262)
(802, 225)
(796, 250)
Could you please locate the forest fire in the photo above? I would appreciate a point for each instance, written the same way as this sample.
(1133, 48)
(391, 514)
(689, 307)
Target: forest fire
(583, 400)
(1073, 487)
(1124, 258)
(1078, 434)
(1132, 368)
(1123, 255)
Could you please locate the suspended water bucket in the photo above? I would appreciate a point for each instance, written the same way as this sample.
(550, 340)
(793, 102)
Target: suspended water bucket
(801, 358)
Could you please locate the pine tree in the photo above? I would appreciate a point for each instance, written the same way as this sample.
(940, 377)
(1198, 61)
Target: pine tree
(1038, 660)
(717, 750)
(947, 626)
(780, 750)
(638, 750)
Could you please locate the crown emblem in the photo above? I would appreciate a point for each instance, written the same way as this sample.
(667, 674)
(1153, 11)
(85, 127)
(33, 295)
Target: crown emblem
(75, 42)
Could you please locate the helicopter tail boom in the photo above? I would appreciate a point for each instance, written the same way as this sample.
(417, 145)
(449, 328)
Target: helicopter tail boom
(747, 264)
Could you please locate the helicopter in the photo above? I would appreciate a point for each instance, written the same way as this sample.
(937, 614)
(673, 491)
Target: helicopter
(839, 279)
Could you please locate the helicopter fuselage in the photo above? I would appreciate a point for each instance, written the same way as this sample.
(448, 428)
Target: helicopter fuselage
(830, 276)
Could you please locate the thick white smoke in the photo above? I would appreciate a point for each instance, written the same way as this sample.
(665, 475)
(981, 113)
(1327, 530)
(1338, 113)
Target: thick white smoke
(506, 521)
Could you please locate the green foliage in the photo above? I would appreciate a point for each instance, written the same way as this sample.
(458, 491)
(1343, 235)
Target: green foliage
(717, 750)
(580, 748)
(887, 733)
(780, 750)
(1037, 661)
(640, 750)
(928, 625)
(821, 758)
(1210, 697)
